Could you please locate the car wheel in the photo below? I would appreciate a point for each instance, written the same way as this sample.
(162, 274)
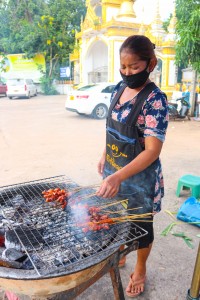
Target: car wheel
(100, 111)
(10, 97)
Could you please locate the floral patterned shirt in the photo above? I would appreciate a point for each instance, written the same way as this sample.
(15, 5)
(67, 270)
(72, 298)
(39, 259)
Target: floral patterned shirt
(152, 121)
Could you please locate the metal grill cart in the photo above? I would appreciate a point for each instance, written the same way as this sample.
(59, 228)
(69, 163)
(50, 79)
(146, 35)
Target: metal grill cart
(194, 292)
(58, 260)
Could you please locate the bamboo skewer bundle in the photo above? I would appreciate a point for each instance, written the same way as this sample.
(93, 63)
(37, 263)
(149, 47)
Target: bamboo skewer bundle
(83, 197)
(119, 211)
(103, 208)
(112, 221)
(113, 203)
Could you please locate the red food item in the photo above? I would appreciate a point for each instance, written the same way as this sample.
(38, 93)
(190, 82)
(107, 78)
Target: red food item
(2, 240)
(58, 195)
(92, 219)
(105, 226)
(103, 217)
(64, 204)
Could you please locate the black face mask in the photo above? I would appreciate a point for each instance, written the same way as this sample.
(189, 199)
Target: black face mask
(136, 80)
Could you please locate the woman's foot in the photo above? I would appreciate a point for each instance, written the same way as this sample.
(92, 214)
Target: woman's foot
(136, 285)
(137, 280)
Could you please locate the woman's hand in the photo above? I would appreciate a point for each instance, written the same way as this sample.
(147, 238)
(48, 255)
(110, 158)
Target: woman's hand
(109, 187)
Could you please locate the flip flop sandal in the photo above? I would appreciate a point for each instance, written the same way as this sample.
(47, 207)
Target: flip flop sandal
(137, 282)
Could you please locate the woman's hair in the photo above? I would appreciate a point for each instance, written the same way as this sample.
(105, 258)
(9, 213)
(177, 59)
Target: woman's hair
(139, 45)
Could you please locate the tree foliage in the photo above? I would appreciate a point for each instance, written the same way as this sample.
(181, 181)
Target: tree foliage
(188, 33)
(18, 18)
(165, 24)
(38, 26)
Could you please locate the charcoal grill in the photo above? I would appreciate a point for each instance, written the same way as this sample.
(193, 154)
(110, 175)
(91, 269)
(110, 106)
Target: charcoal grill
(59, 253)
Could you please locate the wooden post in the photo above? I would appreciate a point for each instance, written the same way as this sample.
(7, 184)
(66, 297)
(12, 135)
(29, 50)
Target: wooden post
(195, 285)
(117, 283)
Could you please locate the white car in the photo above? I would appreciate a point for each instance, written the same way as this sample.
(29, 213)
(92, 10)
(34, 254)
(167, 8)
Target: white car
(93, 100)
(18, 87)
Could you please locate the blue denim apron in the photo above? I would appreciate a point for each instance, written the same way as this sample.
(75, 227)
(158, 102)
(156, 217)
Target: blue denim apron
(122, 146)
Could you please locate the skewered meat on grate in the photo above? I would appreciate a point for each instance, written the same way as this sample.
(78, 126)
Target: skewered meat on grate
(92, 218)
(2, 240)
(56, 195)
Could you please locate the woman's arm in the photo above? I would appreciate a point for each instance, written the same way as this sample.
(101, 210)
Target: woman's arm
(101, 162)
(152, 151)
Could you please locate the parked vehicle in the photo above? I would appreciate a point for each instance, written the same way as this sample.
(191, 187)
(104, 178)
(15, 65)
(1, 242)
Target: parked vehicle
(18, 87)
(179, 113)
(2, 88)
(93, 100)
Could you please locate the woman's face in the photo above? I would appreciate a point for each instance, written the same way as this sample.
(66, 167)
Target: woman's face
(131, 63)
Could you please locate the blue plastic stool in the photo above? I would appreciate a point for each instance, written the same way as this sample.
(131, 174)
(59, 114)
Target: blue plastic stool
(189, 181)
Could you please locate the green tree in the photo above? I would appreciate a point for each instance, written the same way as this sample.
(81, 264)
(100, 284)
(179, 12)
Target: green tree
(188, 38)
(17, 21)
(188, 32)
(37, 26)
(165, 24)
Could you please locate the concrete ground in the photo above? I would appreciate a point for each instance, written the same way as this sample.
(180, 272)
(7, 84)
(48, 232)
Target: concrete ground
(40, 139)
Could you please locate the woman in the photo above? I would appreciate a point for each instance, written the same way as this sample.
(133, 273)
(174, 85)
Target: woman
(135, 132)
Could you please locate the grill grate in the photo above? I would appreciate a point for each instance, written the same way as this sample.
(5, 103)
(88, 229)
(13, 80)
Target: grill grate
(49, 236)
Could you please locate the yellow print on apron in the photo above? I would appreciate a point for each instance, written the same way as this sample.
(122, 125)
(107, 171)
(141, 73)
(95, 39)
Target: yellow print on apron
(115, 151)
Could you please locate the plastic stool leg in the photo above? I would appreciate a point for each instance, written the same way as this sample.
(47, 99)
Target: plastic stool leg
(178, 190)
(196, 191)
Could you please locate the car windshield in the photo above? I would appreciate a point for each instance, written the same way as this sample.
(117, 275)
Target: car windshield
(86, 87)
(15, 81)
(103, 88)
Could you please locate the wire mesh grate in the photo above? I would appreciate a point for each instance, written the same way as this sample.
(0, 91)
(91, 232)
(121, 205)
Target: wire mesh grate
(50, 236)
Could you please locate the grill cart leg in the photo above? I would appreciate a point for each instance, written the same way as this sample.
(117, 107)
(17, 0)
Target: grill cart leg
(194, 291)
(117, 283)
(115, 274)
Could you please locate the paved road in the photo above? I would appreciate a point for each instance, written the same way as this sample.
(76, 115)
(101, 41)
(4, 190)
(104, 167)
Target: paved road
(39, 139)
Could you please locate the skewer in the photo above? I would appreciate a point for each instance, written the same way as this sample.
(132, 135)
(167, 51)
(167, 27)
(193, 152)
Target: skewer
(113, 203)
(87, 196)
(117, 220)
(87, 224)
(107, 205)
(128, 220)
(132, 216)
(85, 187)
(120, 211)
(124, 221)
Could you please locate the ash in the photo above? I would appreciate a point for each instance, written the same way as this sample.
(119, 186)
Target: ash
(47, 235)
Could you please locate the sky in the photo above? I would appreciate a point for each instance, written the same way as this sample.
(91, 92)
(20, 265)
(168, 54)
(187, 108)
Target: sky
(166, 7)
